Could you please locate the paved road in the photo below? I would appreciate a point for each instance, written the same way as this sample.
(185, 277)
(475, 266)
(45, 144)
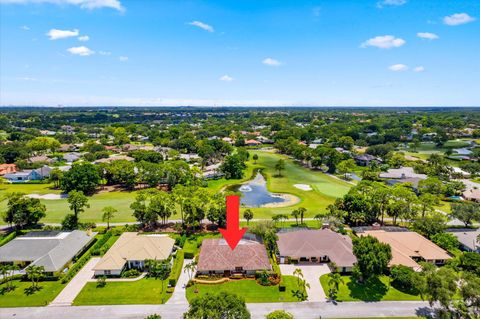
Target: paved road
(312, 275)
(73, 288)
(303, 310)
(179, 294)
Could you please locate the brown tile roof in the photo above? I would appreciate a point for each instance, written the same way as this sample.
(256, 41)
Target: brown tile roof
(215, 254)
(317, 243)
(408, 245)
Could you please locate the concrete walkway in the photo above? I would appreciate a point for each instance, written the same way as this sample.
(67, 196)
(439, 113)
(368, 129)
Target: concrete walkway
(73, 288)
(179, 294)
(300, 310)
(311, 275)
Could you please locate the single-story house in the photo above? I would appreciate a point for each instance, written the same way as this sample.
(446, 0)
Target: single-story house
(40, 158)
(316, 246)
(29, 175)
(468, 238)
(252, 143)
(131, 250)
(72, 157)
(7, 169)
(247, 258)
(472, 194)
(366, 159)
(114, 158)
(408, 248)
(457, 171)
(51, 249)
(189, 157)
(402, 173)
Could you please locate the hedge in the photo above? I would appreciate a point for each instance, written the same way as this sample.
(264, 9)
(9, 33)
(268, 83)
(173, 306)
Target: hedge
(8, 238)
(176, 268)
(188, 254)
(97, 248)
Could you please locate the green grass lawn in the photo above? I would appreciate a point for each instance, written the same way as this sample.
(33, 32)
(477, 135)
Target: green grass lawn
(325, 190)
(249, 289)
(20, 298)
(143, 291)
(380, 290)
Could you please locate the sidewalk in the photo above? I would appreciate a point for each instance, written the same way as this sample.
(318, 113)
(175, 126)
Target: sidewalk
(179, 294)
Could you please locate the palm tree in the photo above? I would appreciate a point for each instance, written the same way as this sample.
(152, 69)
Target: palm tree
(301, 211)
(108, 213)
(190, 268)
(334, 281)
(295, 214)
(299, 274)
(35, 273)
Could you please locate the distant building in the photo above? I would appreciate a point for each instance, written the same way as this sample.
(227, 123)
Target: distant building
(51, 249)
(72, 157)
(29, 175)
(252, 143)
(7, 169)
(402, 173)
(468, 238)
(366, 159)
(40, 159)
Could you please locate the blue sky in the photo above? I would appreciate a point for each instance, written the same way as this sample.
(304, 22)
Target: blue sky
(322, 53)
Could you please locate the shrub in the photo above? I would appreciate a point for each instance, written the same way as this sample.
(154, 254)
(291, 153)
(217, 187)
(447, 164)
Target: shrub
(281, 288)
(97, 248)
(402, 277)
(8, 238)
(131, 273)
(188, 255)
(279, 314)
(101, 282)
(172, 282)
(170, 290)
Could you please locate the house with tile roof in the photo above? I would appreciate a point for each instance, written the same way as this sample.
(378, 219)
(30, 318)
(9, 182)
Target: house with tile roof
(316, 246)
(7, 169)
(409, 248)
(131, 251)
(247, 258)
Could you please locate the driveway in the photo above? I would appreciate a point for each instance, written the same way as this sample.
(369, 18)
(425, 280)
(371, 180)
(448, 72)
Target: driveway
(179, 294)
(73, 288)
(311, 274)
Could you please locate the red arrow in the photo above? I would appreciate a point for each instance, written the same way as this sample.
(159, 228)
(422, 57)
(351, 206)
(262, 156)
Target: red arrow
(233, 233)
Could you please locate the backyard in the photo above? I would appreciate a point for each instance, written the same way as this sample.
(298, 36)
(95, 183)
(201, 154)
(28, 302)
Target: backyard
(250, 290)
(377, 290)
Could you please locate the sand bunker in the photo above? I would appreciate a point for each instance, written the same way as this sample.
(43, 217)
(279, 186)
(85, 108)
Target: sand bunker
(303, 187)
(48, 196)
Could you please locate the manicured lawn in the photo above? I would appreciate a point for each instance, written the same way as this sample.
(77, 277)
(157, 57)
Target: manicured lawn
(143, 291)
(20, 298)
(249, 290)
(379, 290)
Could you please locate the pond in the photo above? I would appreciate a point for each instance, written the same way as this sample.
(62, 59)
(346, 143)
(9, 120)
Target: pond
(256, 194)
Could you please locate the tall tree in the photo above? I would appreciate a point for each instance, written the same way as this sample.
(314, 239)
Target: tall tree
(372, 257)
(466, 212)
(108, 214)
(280, 166)
(248, 215)
(217, 306)
(23, 211)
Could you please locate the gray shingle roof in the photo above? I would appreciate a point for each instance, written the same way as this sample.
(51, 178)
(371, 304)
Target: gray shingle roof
(52, 251)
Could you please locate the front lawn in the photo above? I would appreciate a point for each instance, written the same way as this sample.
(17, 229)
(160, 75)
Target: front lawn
(250, 290)
(379, 290)
(143, 291)
(20, 297)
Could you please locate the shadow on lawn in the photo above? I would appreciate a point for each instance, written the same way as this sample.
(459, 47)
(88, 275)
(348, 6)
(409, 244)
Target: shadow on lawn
(31, 290)
(373, 290)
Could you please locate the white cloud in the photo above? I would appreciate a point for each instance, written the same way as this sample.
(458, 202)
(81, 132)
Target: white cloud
(83, 38)
(271, 62)
(419, 69)
(55, 34)
(384, 42)
(226, 78)
(457, 19)
(398, 67)
(397, 3)
(82, 50)
(123, 58)
(202, 25)
(24, 27)
(104, 53)
(427, 35)
(84, 4)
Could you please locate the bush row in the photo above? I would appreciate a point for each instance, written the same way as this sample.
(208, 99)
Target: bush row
(98, 248)
(176, 268)
(8, 238)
